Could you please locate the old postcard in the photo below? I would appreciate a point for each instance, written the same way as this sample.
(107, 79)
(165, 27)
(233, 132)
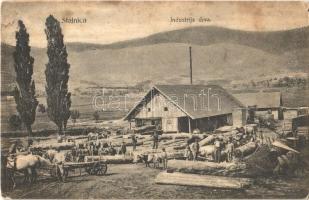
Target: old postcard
(154, 100)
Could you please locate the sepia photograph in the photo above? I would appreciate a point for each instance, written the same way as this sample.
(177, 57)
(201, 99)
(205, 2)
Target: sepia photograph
(154, 99)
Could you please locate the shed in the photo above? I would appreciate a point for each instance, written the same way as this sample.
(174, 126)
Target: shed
(263, 101)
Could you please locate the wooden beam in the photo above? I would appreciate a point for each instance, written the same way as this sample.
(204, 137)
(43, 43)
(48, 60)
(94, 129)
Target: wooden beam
(202, 180)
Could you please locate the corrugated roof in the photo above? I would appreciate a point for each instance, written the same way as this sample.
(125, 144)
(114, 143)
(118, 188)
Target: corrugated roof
(260, 99)
(193, 99)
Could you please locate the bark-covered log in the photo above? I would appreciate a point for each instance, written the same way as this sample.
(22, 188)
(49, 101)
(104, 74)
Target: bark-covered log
(117, 159)
(144, 129)
(60, 146)
(208, 140)
(245, 150)
(202, 180)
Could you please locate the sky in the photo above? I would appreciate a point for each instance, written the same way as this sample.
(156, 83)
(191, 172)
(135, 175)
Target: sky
(109, 22)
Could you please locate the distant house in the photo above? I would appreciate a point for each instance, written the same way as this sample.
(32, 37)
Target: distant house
(264, 101)
(183, 108)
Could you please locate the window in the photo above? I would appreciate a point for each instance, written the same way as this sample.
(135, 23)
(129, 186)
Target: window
(165, 109)
(149, 109)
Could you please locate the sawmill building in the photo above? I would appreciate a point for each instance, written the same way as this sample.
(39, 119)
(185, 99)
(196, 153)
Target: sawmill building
(183, 108)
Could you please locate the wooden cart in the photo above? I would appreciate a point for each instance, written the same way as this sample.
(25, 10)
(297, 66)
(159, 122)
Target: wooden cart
(92, 168)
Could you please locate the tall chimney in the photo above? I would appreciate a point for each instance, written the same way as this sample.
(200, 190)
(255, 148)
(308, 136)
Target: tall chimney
(191, 81)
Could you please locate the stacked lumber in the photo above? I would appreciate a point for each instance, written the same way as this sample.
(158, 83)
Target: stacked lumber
(203, 167)
(117, 159)
(177, 178)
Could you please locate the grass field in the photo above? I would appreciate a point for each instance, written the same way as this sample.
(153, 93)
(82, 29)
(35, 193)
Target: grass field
(83, 104)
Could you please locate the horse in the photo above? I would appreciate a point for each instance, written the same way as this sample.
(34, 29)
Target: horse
(58, 158)
(26, 164)
(156, 159)
(207, 150)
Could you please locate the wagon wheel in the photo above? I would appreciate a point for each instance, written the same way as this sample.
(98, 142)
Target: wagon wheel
(101, 169)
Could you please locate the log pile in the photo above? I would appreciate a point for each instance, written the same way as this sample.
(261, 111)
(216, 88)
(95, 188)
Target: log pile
(202, 180)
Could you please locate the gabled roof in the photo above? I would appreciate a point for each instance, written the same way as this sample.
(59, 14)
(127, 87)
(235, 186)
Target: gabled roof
(260, 99)
(193, 100)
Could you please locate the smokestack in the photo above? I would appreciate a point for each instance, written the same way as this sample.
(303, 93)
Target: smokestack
(191, 81)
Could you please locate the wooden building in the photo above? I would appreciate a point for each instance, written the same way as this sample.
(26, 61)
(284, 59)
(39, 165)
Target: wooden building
(263, 101)
(183, 108)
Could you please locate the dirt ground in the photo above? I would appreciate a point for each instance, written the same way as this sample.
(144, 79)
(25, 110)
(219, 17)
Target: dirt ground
(136, 181)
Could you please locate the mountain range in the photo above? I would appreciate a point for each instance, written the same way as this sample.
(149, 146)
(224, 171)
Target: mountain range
(218, 54)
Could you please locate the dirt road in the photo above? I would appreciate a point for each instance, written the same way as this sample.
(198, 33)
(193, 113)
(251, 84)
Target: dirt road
(136, 181)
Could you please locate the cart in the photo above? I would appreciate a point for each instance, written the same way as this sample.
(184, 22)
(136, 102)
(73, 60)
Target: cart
(92, 168)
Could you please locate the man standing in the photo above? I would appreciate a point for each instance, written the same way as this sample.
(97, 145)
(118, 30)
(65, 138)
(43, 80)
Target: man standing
(230, 150)
(123, 148)
(217, 144)
(155, 139)
(164, 158)
(134, 141)
(195, 149)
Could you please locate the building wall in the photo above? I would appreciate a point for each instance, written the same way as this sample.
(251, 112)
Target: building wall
(239, 117)
(156, 108)
(170, 124)
(160, 107)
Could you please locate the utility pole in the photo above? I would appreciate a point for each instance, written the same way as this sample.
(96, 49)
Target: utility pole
(191, 81)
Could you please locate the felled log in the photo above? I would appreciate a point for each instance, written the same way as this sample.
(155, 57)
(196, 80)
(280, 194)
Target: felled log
(208, 140)
(177, 178)
(173, 142)
(128, 144)
(202, 167)
(224, 129)
(117, 159)
(283, 146)
(144, 129)
(60, 146)
(245, 150)
(180, 147)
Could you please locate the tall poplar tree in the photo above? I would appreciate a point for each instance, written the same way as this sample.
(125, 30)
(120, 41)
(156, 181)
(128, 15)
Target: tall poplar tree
(24, 93)
(57, 75)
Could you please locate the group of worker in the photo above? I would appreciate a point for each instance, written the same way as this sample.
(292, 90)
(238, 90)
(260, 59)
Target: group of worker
(228, 146)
